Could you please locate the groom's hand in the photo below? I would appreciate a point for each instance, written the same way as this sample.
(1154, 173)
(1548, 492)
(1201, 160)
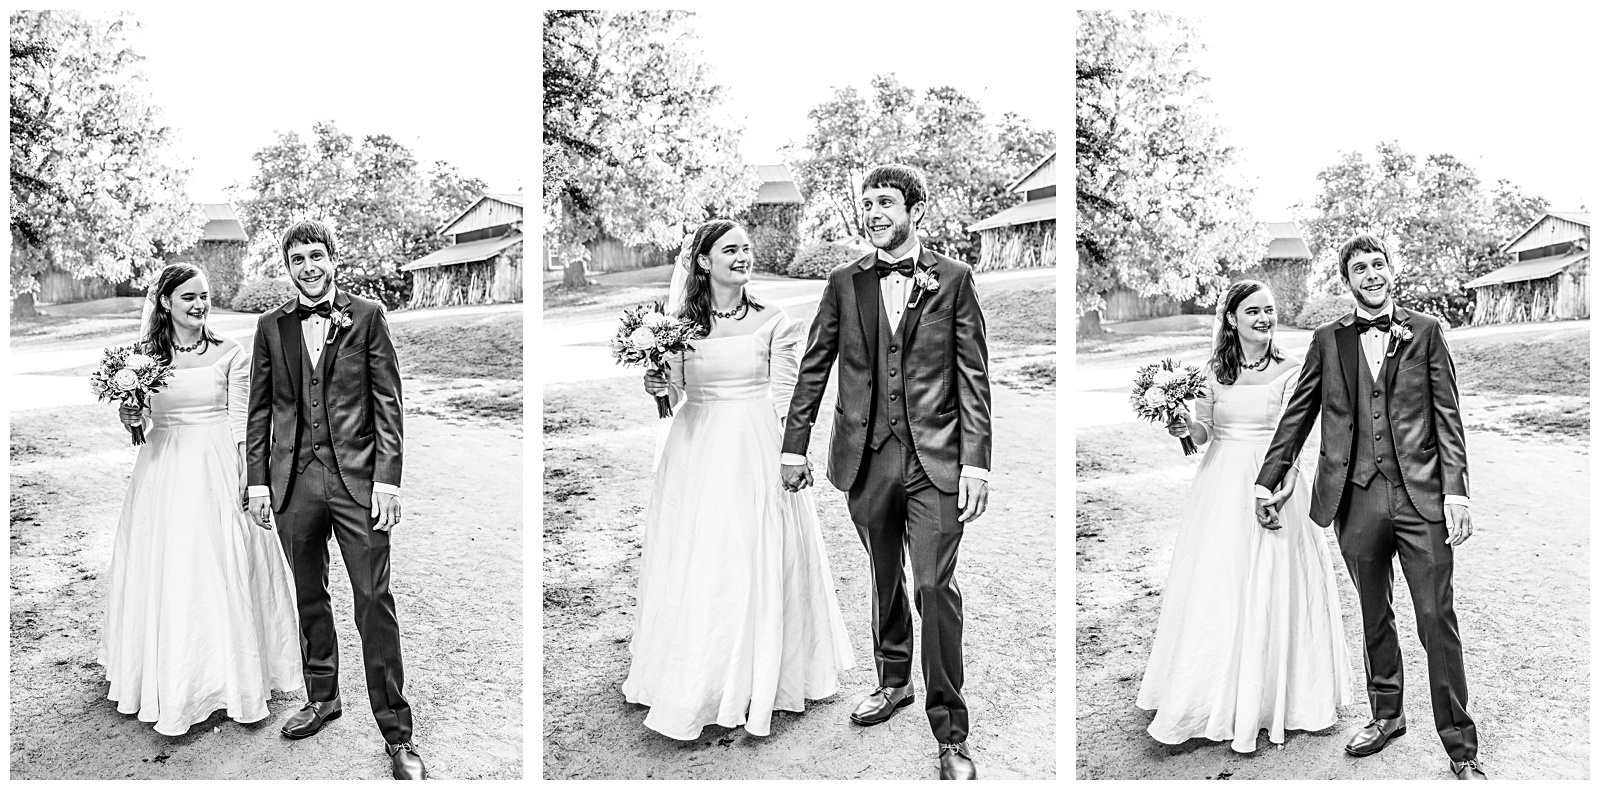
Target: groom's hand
(386, 508)
(972, 498)
(1267, 509)
(796, 477)
(1458, 519)
(261, 511)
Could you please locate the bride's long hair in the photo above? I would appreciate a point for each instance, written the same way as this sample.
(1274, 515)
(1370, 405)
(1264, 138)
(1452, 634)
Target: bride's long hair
(1227, 354)
(158, 331)
(697, 290)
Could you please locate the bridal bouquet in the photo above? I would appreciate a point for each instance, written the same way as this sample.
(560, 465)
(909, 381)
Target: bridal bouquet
(128, 376)
(646, 336)
(1160, 389)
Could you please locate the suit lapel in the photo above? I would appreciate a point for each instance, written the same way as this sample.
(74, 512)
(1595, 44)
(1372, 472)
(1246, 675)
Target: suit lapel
(293, 342)
(1392, 362)
(1349, 343)
(330, 350)
(913, 316)
(869, 302)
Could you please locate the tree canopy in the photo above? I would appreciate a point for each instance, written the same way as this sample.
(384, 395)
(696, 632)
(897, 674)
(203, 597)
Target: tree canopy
(385, 207)
(1160, 207)
(635, 143)
(95, 187)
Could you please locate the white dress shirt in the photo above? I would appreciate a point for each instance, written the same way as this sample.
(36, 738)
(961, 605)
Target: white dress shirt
(895, 290)
(314, 330)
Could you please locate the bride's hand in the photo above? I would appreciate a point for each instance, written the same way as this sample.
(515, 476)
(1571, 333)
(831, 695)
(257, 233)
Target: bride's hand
(1179, 424)
(655, 382)
(131, 414)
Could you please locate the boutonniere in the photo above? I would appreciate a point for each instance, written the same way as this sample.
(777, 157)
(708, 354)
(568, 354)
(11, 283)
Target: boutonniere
(1398, 333)
(923, 281)
(339, 319)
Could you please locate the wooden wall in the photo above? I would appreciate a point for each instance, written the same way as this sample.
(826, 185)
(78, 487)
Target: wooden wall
(610, 255)
(1017, 246)
(59, 287)
(1560, 297)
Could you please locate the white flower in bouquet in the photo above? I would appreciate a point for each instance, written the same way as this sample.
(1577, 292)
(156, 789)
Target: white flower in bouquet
(654, 320)
(126, 380)
(1165, 377)
(642, 339)
(1155, 398)
(139, 362)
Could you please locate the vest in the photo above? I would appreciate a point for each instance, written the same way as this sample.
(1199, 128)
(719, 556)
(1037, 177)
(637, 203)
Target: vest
(889, 384)
(1374, 442)
(313, 438)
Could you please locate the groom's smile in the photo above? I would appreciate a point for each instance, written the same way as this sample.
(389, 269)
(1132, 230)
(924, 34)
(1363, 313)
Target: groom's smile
(311, 269)
(1370, 279)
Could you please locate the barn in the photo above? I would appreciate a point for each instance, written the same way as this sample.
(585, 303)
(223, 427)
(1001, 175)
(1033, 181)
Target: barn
(1024, 235)
(1547, 281)
(1283, 268)
(483, 263)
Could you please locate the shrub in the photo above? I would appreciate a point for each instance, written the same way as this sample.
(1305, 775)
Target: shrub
(774, 248)
(815, 261)
(259, 294)
(1319, 310)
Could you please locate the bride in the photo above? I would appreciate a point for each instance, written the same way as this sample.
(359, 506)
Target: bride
(1250, 636)
(736, 612)
(200, 610)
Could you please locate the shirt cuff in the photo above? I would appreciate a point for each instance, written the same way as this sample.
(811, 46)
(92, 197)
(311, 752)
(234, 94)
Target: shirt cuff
(258, 491)
(792, 459)
(975, 472)
(1457, 499)
(1263, 493)
(385, 488)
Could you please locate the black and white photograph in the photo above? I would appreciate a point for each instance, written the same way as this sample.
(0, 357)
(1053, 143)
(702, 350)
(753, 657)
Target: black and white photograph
(265, 396)
(1331, 395)
(798, 379)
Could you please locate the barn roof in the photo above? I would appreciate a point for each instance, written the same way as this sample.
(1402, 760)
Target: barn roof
(1020, 214)
(777, 185)
(1039, 176)
(508, 198)
(1536, 269)
(222, 223)
(1286, 241)
(466, 252)
(1576, 217)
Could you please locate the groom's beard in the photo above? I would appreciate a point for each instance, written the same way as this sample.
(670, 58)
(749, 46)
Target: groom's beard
(897, 237)
(327, 283)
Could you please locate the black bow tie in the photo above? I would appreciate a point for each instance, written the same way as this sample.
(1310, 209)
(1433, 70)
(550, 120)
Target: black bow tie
(904, 266)
(306, 311)
(1380, 323)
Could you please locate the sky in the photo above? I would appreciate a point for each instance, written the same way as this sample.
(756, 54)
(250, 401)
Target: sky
(1509, 94)
(231, 78)
(778, 63)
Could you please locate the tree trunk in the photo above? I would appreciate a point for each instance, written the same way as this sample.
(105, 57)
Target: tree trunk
(575, 276)
(1089, 325)
(22, 306)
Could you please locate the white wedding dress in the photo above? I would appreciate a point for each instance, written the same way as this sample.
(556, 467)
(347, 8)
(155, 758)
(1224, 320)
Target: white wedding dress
(200, 610)
(1250, 635)
(736, 611)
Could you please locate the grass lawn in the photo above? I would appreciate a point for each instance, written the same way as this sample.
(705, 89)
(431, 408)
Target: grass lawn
(487, 346)
(1551, 363)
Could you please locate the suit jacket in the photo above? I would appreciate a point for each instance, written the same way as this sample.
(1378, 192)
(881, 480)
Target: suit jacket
(1424, 415)
(360, 387)
(946, 372)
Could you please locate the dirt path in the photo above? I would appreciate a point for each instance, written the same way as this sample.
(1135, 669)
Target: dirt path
(1521, 590)
(599, 440)
(457, 580)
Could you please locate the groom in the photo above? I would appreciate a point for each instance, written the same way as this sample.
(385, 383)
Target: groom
(910, 442)
(1392, 479)
(323, 448)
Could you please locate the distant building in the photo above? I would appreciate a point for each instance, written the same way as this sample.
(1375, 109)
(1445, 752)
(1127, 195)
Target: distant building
(483, 263)
(1024, 235)
(1549, 281)
(1283, 268)
(220, 252)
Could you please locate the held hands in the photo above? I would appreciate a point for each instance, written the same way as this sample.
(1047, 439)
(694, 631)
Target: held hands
(386, 508)
(260, 510)
(1458, 521)
(973, 499)
(796, 477)
(1267, 509)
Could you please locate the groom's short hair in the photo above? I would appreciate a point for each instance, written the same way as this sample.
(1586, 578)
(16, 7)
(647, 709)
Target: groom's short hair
(308, 232)
(1357, 244)
(909, 180)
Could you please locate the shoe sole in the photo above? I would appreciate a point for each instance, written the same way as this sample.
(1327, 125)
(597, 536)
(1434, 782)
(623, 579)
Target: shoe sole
(897, 706)
(334, 715)
(1392, 736)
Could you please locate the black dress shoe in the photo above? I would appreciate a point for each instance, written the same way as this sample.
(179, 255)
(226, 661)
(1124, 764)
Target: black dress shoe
(1467, 770)
(407, 763)
(881, 704)
(955, 763)
(308, 720)
(1371, 739)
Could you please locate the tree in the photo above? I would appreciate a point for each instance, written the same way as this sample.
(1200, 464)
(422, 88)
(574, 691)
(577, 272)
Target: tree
(968, 161)
(385, 209)
(94, 188)
(1160, 208)
(634, 144)
(1443, 226)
